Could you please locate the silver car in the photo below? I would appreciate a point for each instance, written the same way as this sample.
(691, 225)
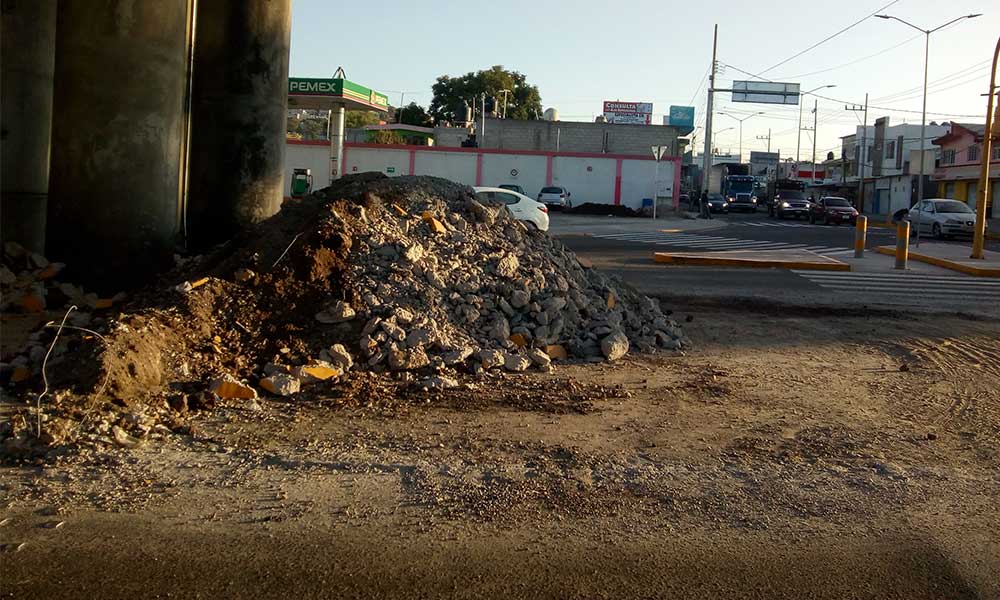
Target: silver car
(941, 218)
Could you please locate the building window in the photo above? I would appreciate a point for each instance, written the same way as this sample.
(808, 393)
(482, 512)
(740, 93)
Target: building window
(890, 150)
(973, 153)
(996, 151)
(869, 152)
(948, 157)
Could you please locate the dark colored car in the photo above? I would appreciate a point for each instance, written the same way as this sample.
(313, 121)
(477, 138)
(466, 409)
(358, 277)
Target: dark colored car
(512, 187)
(743, 201)
(790, 203)
(717, 203)
(831, 209)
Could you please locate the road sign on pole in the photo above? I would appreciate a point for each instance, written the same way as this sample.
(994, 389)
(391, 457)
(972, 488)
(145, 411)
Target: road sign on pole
(765, 92)
(659, 151)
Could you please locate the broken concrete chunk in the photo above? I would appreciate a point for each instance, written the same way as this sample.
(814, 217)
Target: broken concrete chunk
(418, 337)
(490, 358)
(227, 386)
(338, 313)
(457, 356)
(340, 357)
(615, 346)
(436, 383)
(507, 266)
(516, 363)
(519, 339)
(281, 384)
(244, 275)
(123, 439)
(408, 360)
(414, 253)
(539, 357)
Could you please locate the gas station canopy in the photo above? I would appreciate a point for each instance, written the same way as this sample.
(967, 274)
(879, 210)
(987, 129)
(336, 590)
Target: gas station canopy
(328, 94)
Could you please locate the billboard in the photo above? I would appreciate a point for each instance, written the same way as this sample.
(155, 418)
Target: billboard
(765, 92)
(629, 113)
(680, 116)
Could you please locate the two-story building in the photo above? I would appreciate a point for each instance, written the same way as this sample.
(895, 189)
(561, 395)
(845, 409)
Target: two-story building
(957, 174)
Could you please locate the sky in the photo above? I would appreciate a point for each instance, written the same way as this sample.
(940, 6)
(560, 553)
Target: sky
(582, 52)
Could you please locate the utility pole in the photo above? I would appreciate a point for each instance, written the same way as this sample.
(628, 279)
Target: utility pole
(482, 141)
(815, 115)
(505, 92)
(861, 152)
(708, 115)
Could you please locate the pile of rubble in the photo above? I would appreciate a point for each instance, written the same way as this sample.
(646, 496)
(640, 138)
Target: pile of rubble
(29, 289)
(410, 276)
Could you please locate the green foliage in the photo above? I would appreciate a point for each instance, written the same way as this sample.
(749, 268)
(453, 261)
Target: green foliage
(414, 114)
(356, 119)
(388, 137)
(452, 93)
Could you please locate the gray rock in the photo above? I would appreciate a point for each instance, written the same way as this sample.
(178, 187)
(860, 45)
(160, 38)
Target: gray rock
(481, 213)
(395, 332)
(505, 307)
(615, 346)
(516, 363)
(542, 318)
(418, 337)
(500, 330)
(542, 333)
(490, 359)
(555, 304)
(414, 253)
(406, 360)
(519, 298)
(388, 251)
(601, 330)
(402, 315)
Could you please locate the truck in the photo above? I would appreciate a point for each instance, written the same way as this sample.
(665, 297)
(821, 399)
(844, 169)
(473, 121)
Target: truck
(717, 178)
(739, 192)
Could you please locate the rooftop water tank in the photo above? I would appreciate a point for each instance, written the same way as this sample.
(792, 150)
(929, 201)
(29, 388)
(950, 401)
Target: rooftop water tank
(551, 114)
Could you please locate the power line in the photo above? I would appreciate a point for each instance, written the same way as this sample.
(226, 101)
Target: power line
(703, 79)
(827, 39)
(856, 61)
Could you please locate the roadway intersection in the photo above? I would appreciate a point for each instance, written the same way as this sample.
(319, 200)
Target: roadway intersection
(625, 246)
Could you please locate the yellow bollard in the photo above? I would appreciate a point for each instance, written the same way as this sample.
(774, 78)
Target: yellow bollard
(902, 244)
(860, 236)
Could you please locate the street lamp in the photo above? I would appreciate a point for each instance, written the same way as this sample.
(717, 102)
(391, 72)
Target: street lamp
(715, 136)
(750, 116)
(798, 144)
(923, 114)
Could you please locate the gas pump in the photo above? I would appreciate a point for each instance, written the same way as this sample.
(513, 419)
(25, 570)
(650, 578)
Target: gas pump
(302, 183)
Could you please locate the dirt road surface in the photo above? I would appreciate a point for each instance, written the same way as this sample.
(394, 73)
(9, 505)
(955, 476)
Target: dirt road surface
(786, 455)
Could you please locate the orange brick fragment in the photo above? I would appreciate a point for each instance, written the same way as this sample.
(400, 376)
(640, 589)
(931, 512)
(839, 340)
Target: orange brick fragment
(199, 282)
(20, 374)
(519, 340)
(319, 372)
(399, 211)
(104, 303)
(556, 351)
(611, 300)
(31, 303)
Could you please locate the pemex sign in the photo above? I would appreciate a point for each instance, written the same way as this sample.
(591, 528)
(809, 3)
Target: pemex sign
(337, 89)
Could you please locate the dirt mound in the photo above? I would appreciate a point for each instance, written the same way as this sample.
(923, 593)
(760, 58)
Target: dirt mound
(614, 210)
(410, 276)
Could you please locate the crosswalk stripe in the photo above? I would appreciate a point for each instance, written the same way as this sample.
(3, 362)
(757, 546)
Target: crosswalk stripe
(915, 291)
(715, 243)
(911, 285)
(902, 277)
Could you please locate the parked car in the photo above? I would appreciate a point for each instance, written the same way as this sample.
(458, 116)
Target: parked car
(520, 206)
(942, 218)
(789, 203)
(717, 203)
(833, 209)
(513, 187)
(555, 197)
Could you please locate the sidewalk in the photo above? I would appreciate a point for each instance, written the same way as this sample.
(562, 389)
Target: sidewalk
(953, 257)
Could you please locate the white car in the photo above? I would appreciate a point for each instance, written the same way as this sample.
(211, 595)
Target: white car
(940, 217)
(556, 197)
(522, 207)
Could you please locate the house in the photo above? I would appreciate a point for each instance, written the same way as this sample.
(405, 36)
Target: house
(957, 174)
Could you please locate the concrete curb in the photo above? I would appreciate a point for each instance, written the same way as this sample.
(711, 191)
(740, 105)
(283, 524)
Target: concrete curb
(944, 263)
(821, 263)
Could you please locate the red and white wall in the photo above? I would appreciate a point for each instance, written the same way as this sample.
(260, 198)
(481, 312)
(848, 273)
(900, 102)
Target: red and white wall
(599, 178)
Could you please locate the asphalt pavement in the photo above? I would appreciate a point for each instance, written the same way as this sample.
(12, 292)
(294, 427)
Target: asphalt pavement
(618, 246)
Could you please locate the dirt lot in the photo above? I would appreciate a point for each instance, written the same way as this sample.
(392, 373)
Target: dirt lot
(781, 457)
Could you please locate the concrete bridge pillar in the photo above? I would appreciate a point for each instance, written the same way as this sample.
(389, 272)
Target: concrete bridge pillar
(239, 106)
(121, 78)
(28, 34)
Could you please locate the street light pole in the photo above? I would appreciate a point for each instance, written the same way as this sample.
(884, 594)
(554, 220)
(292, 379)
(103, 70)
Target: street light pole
(798, 144)
(741, 127)
(707, 169)
(923, 114)
(815, 115)
(986, 154)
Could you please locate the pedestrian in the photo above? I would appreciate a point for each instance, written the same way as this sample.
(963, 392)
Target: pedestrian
(706, 210)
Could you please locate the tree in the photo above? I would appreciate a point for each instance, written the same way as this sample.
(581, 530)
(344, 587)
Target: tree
(451, 94)
(414, 114)
(356, 119)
